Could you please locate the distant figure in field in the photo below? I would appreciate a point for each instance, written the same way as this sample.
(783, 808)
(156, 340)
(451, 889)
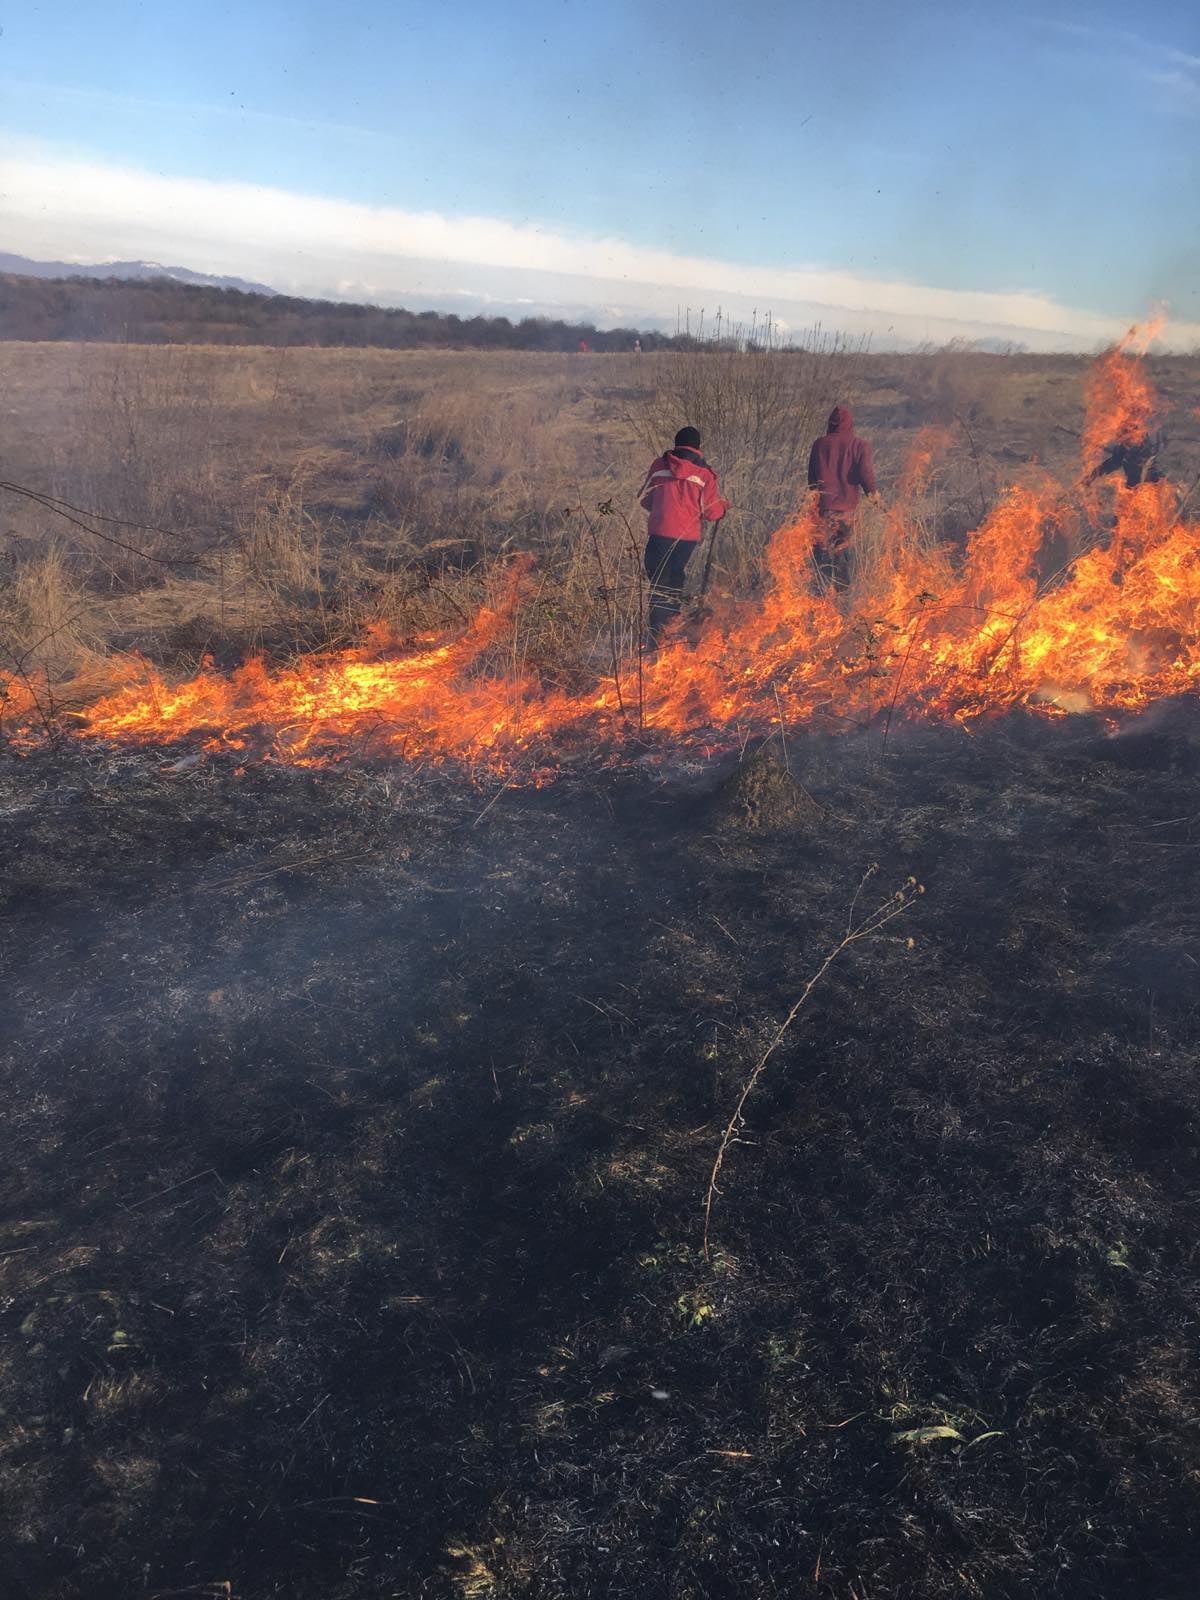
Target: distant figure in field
(680, 492)
(637, 347)
(584, 347)
(839, 466)
(1138, 460)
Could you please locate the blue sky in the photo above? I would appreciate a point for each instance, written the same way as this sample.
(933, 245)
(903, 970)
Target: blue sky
(979, 150)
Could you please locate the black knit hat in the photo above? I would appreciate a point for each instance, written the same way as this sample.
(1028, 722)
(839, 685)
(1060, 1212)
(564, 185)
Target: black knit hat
(687, 439)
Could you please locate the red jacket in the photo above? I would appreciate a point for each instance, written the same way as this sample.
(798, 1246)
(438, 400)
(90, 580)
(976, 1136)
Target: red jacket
(839, 465)
(680, 490)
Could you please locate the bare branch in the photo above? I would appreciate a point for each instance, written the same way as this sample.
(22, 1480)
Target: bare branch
(870, 924)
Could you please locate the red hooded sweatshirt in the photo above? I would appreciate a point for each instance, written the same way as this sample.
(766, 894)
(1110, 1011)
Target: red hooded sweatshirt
(680, 489)
(839, 465)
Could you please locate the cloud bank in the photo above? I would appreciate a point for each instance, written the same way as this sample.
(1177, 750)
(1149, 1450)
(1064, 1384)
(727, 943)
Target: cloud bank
(81, 210)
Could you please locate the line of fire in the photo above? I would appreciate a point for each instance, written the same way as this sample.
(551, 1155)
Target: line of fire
(1069, 596)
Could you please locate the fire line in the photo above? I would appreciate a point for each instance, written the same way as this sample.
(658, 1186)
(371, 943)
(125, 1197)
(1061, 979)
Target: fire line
(932, 635)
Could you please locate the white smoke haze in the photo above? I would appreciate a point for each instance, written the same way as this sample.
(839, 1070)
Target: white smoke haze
(78, 210)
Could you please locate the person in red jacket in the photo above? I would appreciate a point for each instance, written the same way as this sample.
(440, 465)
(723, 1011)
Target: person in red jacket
(680, 493)
(839, 466)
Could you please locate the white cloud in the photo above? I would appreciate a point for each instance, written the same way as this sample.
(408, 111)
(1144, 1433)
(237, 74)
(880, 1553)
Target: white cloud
(79, 210)
(1174, 73)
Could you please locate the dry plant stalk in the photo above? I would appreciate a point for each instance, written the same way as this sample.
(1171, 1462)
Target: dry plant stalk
(758, 406)
(868, 925)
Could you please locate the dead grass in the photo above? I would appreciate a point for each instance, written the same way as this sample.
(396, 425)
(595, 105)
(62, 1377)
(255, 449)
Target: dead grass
(49, 618)
(758, 412)
(288, 499)
(52, 632)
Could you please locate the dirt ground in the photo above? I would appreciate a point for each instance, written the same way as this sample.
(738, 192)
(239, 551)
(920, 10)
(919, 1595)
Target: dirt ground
(359, 1124)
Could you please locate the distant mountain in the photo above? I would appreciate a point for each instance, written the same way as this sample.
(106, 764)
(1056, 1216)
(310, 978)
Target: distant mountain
(136, 270)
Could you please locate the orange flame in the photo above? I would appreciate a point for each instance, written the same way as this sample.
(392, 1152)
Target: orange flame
(1120, 398)
(1116, 628)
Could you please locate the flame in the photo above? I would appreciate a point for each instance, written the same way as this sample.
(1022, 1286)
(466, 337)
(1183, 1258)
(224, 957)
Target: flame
(1113, 629)
(1120, 398)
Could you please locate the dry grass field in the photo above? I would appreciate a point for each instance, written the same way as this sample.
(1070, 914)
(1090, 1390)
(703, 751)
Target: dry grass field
(302, 494)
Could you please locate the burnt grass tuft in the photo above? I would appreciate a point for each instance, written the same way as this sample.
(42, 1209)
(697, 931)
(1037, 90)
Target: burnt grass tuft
(357, 1139)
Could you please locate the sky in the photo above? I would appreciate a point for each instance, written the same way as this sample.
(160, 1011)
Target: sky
(912, 171)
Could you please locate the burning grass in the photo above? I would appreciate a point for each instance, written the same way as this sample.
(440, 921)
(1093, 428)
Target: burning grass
(1066, 594)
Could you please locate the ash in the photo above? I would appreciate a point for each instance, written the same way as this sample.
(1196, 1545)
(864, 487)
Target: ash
(358, 1129)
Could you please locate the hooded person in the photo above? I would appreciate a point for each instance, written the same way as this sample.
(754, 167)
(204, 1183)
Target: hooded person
(840, 467)
(680, 493)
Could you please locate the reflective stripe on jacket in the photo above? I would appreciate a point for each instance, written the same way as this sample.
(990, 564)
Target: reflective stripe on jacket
(681, 491)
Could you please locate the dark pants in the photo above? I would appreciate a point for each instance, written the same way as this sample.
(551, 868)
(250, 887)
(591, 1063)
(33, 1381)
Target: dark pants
(666, 563)
(831, 555)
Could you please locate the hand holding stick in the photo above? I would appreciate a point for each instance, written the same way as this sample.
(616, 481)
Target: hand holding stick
(708, 561)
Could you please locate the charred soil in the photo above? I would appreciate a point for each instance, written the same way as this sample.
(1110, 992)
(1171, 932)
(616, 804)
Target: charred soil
(359, 1123)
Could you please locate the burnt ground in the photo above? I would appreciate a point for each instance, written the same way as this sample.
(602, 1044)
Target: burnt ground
(358, 1125)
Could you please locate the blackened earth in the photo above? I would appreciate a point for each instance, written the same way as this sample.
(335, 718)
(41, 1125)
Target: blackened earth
(358, 1125)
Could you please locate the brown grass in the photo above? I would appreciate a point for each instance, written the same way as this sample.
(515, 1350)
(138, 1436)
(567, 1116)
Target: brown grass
(287, 499)
(758, 416)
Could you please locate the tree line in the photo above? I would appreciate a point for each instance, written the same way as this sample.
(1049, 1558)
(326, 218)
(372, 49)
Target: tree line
(162, 311)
